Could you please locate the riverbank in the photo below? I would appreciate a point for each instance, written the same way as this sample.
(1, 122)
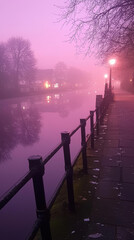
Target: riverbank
(66, 225)
(18, 94)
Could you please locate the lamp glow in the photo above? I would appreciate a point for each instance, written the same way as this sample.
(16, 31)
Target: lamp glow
(112, 61)
(105, 76)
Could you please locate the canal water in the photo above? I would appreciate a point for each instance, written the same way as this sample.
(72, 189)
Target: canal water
(33, 126)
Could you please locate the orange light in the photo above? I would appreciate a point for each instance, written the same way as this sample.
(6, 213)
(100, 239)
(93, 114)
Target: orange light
(47, 84)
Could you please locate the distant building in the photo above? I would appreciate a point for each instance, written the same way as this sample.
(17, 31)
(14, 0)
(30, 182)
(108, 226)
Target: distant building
(45, 75)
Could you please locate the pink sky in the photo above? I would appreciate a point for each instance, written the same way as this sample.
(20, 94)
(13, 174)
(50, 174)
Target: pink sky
(35, 20)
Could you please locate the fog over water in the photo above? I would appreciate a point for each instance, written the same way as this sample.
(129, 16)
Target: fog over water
(32, 125)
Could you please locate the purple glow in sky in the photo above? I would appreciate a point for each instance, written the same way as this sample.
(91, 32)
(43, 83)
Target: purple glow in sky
(35, 20)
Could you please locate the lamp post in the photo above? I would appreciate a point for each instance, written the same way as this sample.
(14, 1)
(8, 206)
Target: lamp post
(106, 84)
(111, 63)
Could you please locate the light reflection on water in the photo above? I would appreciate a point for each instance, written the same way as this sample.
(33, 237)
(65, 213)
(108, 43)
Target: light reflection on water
(31, 126)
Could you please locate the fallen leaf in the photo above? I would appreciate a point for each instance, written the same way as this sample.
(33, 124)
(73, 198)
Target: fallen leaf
(95, 235)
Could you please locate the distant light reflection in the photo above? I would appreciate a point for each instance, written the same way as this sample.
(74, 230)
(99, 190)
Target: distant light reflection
(48, 98)
(57, 96)
(56, 85)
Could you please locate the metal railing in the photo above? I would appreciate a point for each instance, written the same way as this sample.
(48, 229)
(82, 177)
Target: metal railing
(37, 163)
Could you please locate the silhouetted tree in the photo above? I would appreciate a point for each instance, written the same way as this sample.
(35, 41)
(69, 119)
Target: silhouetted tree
(101, 26)
(4, 67)
(22, 61)
(125, 69)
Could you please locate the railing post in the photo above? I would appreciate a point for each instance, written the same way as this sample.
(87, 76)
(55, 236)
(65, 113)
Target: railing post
(99, 105)
(35, 162)
(97, 120)
(106, 90)
(92, 128)
(69, 169)
(83, 144)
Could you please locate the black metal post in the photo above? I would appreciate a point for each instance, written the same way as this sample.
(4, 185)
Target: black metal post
(110, 80)
(35, 162)
(106, 90)
(92, 128)
(83, 144)
(99, 100)
(97, 120)
(69, 169)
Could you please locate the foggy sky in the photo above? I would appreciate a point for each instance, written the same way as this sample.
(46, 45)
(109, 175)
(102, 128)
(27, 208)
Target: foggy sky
(36, 20)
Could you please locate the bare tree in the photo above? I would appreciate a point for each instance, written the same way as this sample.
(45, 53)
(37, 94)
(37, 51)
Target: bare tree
(104, 27)
(4, 63)
(21, 58)
(4, 67)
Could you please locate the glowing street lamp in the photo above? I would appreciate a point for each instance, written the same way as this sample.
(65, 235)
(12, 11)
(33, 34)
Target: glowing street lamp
(111, 63)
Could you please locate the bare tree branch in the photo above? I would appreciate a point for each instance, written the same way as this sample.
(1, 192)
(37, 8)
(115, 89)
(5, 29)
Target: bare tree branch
(102, 27)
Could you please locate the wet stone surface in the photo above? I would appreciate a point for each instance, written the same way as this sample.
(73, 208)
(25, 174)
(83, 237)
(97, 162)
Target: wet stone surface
(125, 233)
(113, 212)
(127, 192)
(127, 161)
(108, 203)
(110, 190)
(111, 161)
(110, 173)
(128, 174)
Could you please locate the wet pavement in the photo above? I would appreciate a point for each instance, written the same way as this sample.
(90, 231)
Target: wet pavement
(113, 205)
(106, 210)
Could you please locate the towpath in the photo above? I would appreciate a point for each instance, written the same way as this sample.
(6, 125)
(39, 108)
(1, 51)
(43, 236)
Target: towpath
(105, 208)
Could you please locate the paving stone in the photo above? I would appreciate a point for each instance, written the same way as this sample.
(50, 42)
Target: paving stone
(112, 151)
(103, 231)
(112, 161)
(127, 192)
(111, 143)
(110, 174)
(127, 143)
(129, 135)
(113, 212)
(129, 152)
(125, 233)
(128, 174)
(128, 161)
(108, 190)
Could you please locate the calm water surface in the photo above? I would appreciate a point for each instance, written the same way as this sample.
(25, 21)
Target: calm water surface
(31, 126)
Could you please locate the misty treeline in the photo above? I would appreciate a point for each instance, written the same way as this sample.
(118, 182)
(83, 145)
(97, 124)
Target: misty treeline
(71, 76)
(104, 28)
(17, 64)
(19, 75)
